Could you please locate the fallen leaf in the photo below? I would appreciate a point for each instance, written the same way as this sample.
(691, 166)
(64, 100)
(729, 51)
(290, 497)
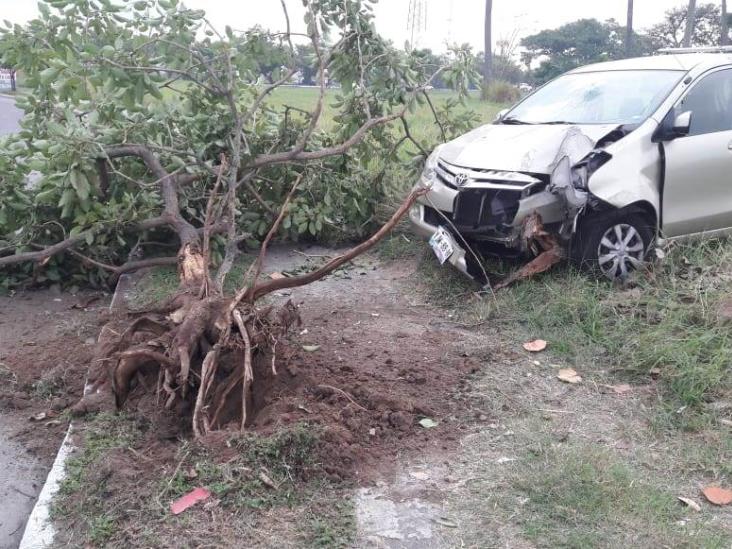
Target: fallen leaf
(717, 495)
(535, 346)
(690, 503)
(655, 373)
(505, 460)
(268, 482)
(277, 276)
(310, 348)
(189, 500)
(727, 422)
(428, 423)
(569, 375)
(444, 522)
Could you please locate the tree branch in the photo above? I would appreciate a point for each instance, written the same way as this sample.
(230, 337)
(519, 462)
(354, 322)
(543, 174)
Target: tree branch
(257, 291)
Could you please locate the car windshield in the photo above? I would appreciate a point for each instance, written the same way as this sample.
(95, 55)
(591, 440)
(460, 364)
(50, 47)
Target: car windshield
(610, 97)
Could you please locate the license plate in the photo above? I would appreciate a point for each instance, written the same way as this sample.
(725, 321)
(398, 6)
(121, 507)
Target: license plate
(441, 243)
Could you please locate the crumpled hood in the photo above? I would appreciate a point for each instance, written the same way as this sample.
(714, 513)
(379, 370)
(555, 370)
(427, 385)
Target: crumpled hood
(521, 148)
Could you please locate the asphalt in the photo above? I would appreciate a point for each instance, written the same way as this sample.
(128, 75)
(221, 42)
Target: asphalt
(21, 475)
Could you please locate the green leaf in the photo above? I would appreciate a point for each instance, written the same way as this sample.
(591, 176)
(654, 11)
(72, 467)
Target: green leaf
(48, 75)
(80, 184)
(140, 5)
(89, 238)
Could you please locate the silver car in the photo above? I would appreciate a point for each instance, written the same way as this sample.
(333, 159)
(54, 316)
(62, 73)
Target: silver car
(607, 157)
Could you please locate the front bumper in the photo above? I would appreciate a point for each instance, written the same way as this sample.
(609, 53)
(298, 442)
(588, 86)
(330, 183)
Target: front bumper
(484, 211)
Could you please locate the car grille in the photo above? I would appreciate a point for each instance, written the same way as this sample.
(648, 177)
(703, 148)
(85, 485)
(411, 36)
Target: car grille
(476, 208)
(446, 173)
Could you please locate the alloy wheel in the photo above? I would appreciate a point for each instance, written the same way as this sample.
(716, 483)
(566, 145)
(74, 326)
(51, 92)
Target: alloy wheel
(621, 251)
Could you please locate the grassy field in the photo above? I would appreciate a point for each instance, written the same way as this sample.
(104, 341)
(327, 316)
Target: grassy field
(422, 121)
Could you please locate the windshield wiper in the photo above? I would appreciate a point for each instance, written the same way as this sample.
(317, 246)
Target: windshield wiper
(516, 121)
(558, 122)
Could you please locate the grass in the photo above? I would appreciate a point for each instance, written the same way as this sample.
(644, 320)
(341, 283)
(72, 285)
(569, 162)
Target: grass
(582, 496)
(421, 121)
(115, 495)
(665, 325)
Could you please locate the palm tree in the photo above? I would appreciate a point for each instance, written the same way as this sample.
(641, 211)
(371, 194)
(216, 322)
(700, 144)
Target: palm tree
(488, 61)
(690, 22)
(629, 31)
(725, 25)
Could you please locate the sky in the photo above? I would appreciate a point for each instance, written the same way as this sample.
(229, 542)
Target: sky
(443, 20)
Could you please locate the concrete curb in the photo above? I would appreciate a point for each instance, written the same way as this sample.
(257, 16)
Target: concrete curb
(39, 530)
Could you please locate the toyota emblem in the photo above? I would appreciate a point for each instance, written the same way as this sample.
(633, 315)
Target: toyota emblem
(461, 180)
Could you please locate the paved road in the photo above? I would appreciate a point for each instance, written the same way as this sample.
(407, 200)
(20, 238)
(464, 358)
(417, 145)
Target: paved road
(21, 475)
(9, 115)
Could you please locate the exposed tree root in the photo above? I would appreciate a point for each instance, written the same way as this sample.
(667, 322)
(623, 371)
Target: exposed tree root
(200, 346)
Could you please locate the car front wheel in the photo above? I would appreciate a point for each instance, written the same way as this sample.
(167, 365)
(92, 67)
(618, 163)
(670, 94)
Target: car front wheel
(614, 244)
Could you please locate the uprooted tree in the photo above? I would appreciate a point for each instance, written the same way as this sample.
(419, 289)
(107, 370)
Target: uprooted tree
(149, 127)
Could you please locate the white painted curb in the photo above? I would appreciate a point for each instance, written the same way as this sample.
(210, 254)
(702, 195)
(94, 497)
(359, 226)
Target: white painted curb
(39, 530)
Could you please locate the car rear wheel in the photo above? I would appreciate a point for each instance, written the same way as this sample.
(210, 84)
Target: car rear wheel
(614, 244)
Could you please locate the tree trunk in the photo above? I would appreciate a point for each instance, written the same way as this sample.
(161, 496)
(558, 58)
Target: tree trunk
(13, 86)
(629, 31)
(724, 39)
(488, 61)
(690, 23)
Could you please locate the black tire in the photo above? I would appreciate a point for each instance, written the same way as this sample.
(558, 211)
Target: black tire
(597, 230)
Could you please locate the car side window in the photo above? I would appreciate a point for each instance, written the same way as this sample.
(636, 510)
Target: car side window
(710, 102)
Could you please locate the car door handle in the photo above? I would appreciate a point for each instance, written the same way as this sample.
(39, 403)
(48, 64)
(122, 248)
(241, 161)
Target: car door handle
(729, 146)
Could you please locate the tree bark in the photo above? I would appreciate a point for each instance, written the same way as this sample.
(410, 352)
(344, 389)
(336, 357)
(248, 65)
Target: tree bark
(724, 39)
(690, 23)
(629, 31)
(488, 61)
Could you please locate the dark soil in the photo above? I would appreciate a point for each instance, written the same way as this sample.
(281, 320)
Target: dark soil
(366, 365)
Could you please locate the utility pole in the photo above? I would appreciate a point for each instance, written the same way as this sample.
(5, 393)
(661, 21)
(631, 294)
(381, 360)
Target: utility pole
(488, 61)
(690, 23)
(724, 40)
(629, 31)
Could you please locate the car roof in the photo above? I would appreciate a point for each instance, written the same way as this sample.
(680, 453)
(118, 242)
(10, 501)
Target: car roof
(680, 62)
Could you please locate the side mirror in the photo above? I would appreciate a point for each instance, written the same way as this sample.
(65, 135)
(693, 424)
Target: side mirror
(673, 127)
(682, 124)
(500, 114)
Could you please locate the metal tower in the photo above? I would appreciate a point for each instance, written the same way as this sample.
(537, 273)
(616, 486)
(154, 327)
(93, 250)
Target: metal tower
(416, 21)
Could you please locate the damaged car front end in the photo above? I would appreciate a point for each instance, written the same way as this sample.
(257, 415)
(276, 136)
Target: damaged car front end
(498, 210)
(570, 172)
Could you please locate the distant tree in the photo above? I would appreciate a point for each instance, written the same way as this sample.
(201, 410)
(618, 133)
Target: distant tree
(629, 30)
(575, 44)
(307, 63)
(488, 52)
(690, 23)
(505, 67)
(670, 32)
(724, 38)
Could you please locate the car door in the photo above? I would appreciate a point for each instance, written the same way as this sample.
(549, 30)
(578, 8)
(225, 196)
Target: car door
(697, 191)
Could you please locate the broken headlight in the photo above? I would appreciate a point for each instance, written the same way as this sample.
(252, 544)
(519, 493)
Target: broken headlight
(431, 164)
(583, 170)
